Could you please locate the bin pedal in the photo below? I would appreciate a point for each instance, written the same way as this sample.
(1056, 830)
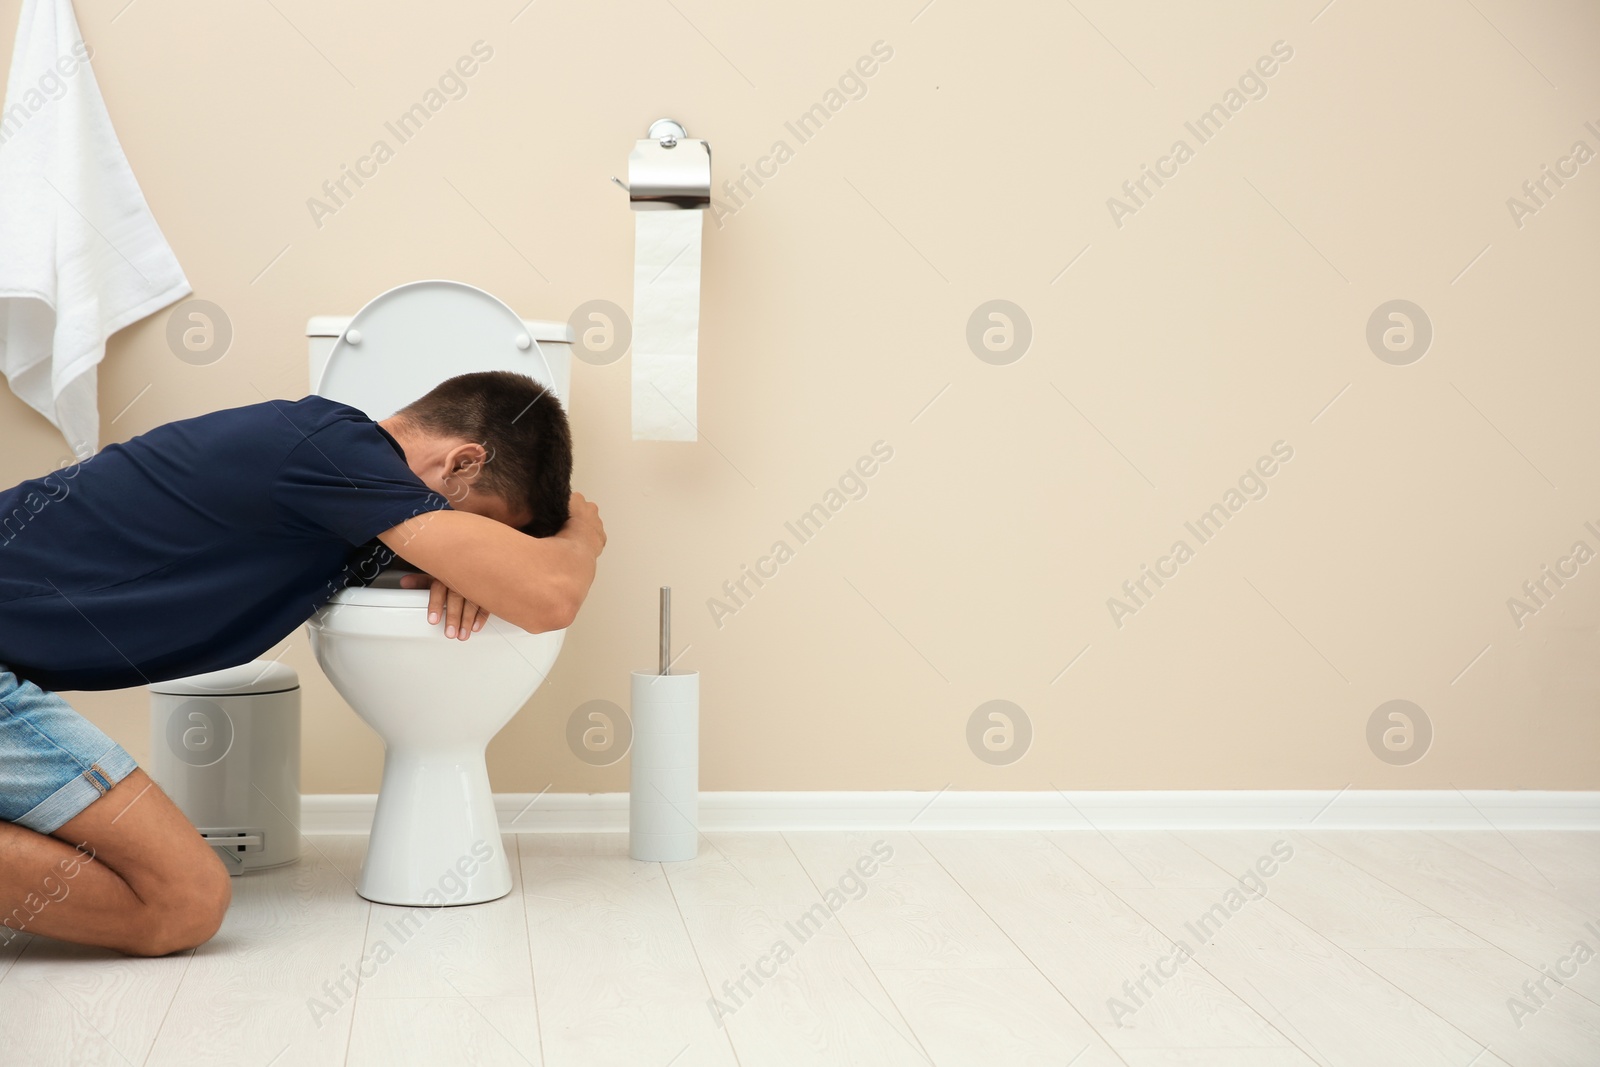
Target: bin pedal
(232, 845)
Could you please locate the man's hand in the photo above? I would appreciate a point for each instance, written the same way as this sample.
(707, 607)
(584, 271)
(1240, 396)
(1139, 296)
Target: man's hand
(584, 525)
(462, 618)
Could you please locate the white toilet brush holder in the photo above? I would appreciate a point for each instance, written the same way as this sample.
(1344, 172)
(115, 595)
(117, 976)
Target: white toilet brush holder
(664, 774)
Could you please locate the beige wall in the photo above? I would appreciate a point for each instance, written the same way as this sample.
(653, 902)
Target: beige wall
(1221, 317)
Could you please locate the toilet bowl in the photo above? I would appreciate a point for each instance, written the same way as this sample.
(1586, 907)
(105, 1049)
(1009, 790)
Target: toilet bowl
(434, 701)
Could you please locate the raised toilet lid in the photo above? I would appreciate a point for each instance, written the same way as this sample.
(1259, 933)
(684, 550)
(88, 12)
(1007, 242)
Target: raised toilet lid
(411, 338)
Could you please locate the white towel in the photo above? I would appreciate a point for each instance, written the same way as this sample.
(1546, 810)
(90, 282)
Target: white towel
(80, 254)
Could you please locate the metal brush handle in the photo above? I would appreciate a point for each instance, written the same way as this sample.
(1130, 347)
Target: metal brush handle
(666, 630)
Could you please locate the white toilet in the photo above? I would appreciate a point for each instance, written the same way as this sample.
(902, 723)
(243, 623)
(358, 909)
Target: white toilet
(435, 702)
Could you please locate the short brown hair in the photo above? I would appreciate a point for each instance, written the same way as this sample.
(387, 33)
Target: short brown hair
(521, 425)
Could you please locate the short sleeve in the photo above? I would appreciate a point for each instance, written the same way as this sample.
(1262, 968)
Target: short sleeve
(347, 481)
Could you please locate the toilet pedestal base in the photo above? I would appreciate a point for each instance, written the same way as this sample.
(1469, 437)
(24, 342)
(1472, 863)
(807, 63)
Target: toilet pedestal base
(435, 836)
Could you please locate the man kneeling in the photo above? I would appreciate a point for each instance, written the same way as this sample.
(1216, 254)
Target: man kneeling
(203, 543)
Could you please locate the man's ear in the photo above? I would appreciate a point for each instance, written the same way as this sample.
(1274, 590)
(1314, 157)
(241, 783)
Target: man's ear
(466, 461)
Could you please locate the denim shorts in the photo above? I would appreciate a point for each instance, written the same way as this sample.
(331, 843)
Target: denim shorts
(53, 761)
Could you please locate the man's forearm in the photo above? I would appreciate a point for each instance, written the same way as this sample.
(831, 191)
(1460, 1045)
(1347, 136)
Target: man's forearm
(535, 583)
(577, 573)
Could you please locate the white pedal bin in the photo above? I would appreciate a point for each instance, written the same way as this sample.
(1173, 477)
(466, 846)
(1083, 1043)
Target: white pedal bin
(226, 748)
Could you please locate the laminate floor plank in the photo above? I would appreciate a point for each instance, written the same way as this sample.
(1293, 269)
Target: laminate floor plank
(1089, 943)
(616, 978)
(1304, 947)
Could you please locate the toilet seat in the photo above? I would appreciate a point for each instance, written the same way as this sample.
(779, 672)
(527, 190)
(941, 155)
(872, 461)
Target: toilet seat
(411, 338)
(383, 591)
(365, 596)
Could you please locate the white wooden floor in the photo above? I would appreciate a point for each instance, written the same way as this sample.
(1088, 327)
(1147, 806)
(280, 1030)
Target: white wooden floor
(993, 949)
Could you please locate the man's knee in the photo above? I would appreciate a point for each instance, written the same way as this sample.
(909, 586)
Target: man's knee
(186, 912)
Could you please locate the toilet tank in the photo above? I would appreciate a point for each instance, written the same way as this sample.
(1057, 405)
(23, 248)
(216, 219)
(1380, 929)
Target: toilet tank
(553, 338)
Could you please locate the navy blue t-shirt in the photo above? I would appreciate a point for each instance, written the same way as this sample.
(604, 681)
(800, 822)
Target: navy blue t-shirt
(198, 545)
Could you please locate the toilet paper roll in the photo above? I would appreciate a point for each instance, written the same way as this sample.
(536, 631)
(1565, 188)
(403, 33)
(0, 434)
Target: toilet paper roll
(666, 324)
(664, 770)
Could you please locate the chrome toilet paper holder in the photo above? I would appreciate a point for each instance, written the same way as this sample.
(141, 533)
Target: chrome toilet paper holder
(668, 170)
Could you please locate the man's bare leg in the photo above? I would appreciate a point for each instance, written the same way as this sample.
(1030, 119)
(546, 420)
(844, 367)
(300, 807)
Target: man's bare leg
(129, 873)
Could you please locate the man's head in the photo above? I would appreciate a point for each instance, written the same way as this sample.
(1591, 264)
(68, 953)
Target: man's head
(494, 443)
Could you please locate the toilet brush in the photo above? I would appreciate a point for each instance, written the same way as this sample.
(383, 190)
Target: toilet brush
(664, 777)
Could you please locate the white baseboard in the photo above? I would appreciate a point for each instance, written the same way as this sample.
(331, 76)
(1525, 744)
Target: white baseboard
(1350, 809)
